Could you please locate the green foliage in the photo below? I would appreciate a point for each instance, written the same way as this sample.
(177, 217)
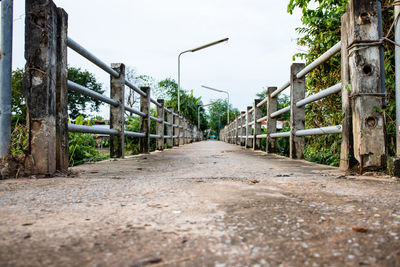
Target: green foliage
(79, 104)
(132, 143)
(18, 106)
(82, 146)
(217, 118)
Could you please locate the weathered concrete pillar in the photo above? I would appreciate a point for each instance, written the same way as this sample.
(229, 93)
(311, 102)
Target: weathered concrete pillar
(160, 125)
(117, 114)
(182, 130)
(145, 121)
(62, 142)
(297, 114)
(257, 125)
(366, 95)
(272, 106)
(248, 127)
(243, 128)
(40, 85)
(177, 130)
(237, 122)
(170, 128)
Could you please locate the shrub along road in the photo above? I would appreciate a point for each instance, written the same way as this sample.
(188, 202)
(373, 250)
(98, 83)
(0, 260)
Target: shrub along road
(203, 204)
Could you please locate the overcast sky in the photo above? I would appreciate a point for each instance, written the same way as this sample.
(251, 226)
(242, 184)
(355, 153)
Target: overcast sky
(148, 35)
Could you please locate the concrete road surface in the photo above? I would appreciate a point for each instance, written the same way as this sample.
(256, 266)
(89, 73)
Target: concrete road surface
(203, 204)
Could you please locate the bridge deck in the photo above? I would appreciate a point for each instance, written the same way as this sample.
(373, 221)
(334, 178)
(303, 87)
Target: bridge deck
(203, 204)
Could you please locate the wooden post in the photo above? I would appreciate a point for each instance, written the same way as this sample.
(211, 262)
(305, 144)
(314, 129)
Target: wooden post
(40, 85)
(248, 127)
(170, 128)
(177, 132)
(117, 114)
(297, 114)
(366, 97)
(257, 125)
(62, 143)
(243, 128)
(272, 106)
(347, 160)
(145, 121)
(160, 125)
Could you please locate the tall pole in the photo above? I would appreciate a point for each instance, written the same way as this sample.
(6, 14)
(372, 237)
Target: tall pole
(179, 65)
(220, 91)
(5, 75)
(397, 69)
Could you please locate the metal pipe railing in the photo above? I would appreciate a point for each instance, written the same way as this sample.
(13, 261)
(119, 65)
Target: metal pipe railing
(279, 112)
(324, 57)
(134, 88)
(262, 119)
(85, 91)
(74, 128)
(92, 58)
(320, 131)
(155, 119)
(324, 93)
(134, 134)
(5, 75)
(281, 134)
(280, 89)
(135, 111)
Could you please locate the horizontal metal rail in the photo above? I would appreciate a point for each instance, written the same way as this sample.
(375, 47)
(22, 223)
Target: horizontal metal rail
(279, 112)
(262, 136)
(90, 129)
(168, 123)
(85, 91)
(156, 119)
(167, 110)
(320, 131)
(262, 119)
(324, 57)
(262, 102)
(251, 123)
(324, 93)
(251, 110)
(154, 136)
(92, 58)
(137, 112)
(134, 134)
(155, 102)
(280, 89)
(134, 88)
(281, 134)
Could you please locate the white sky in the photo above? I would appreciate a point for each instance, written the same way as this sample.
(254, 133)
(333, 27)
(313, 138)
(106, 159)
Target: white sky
(149, 34)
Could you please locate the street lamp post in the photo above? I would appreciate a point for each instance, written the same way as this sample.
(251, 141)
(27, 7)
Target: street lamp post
(221, 91)
(179, 65)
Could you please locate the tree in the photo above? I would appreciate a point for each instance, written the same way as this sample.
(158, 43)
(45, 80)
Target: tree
(218, 115)
(79, 104)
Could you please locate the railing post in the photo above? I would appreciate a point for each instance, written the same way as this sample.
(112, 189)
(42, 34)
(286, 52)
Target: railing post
(160, 125)
(237, 119)
(117, 114)
(181, 130)
(177, 130)
(40, 85)
(257, 125)
(62, 143)
(170, 128)
(248, 127)
(272, 106)
(5, 77)
(297, 114)
(145, 121)
(366, 87)
(242, 128)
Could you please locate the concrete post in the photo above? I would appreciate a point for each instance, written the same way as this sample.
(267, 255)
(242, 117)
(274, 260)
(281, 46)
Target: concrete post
(117, 114)
(248, 127)
(62, 143)
(145, 121)
(243, 128)
(257, 125)
(366, 95)
(181, 130)
(272, 106)
(160, 125)
(237, 121)
(40, 85)
(170, 128)
(297, 114)
(177, 131)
